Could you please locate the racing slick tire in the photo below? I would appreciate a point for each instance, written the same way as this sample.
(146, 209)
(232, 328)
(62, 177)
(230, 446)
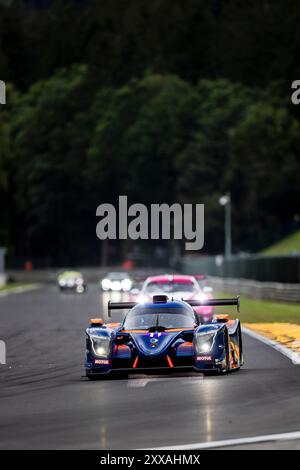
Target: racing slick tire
(80, 289)
(227, 353)
(241, 358)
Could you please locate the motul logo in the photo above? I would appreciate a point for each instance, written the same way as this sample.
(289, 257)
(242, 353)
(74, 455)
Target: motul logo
(204, 358)
(101, 361)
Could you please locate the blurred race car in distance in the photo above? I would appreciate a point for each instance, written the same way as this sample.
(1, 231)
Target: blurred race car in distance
(71, 280)
(177, 286)
(163, 334)
(116, 281)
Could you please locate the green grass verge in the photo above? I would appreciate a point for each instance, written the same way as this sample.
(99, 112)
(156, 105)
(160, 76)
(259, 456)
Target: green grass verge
(287, 245)
(264, 311)
(14, 285)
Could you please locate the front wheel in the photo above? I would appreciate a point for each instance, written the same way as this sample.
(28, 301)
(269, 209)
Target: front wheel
(80, 289)
(227, 352)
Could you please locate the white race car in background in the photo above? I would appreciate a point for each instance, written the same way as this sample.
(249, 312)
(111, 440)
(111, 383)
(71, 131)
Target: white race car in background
(71, 280)
(116, 282)
(177, 287)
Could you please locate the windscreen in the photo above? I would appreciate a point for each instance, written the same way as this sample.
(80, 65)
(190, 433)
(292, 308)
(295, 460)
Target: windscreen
(143, 318)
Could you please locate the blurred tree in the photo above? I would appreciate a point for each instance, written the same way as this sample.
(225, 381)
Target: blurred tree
(265, 169)
(13, 52)
(48, 166)
(203, 166)
(176, 101)
(7, 208)
(139, 130)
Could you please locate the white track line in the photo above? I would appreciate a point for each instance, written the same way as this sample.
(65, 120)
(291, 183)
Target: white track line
(233, 442)
(294, 357)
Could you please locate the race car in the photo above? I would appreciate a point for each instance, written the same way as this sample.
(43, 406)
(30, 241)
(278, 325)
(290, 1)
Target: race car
(163, 334)
(71, 280)
(116, 281)
(177, 286)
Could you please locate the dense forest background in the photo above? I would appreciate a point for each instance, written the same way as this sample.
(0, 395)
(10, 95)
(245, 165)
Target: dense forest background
(164, 101)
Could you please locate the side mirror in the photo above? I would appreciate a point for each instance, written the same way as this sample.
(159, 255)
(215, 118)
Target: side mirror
(96, 322)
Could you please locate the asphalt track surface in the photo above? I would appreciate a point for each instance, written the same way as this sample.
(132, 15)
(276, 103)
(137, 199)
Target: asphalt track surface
(45, 403)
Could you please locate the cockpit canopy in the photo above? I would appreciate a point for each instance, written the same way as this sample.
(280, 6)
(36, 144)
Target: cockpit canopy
(153, 317)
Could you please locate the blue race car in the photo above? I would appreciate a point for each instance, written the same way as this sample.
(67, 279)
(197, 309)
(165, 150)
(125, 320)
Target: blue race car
(164, 334)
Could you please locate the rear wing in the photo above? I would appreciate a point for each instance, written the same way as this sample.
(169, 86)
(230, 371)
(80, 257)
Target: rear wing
(192, 303)
(215, 302)
(120, 306)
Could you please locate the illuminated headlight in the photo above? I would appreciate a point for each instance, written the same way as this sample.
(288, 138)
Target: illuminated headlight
(106, 284)
(62, 282)
(204, 341)
(116, 285)
(126, 284)
(101, 346)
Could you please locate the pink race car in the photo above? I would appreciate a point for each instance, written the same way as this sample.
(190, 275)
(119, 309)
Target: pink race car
(177, 287)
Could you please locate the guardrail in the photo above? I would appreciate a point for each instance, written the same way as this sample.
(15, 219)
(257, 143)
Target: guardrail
(258, 290)
(282, 269)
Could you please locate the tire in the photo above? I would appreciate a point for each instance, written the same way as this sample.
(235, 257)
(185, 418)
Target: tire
(227, 352)
(241, 347)
(241, 358)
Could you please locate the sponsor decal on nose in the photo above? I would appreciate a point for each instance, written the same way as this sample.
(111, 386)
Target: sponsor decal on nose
(204, 358)
(101, 361)
(153, 342)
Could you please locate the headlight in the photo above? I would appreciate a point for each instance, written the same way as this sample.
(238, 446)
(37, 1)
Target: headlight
(105, 284)
(79, 281)
(116, 285)
(62, 282)
(101, 346)
(204, 341)
(126, 284)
